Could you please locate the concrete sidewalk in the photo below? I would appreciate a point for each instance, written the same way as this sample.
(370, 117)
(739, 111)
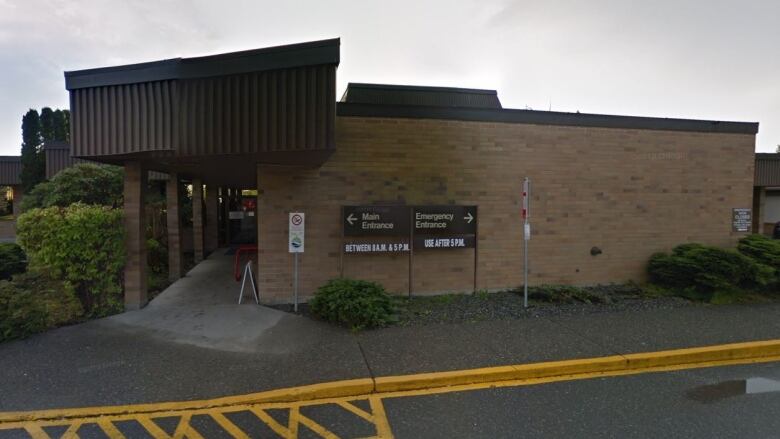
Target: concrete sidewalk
(104, 362)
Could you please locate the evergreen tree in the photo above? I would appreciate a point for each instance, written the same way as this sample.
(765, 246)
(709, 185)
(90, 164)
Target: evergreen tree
(47, 124)
(62, 125)
(32, 171)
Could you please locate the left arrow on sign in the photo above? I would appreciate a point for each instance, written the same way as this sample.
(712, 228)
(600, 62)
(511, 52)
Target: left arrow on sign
(351, 219)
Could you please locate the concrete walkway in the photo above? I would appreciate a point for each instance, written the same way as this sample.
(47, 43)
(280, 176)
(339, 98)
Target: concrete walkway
(202, 309)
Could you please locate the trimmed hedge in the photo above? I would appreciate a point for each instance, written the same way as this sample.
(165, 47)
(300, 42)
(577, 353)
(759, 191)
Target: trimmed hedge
(699, 272)
(34, 302)
(357, 304)
(12, 260)
(80, 244)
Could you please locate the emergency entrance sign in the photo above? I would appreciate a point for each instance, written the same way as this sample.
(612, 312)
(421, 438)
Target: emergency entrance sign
(297, 222)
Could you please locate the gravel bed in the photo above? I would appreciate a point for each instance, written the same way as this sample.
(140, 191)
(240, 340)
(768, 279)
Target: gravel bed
(509, 305)
(463, 308)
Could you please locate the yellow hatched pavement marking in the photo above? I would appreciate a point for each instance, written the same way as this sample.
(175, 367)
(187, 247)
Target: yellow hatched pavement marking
(185, 429)
(110, 430)
(315, 427)
(72, 431)
(380, 418)
(292, 422)
(36, 432)
(229, 426)
(356, 410)
(280, 429)
(152, 427)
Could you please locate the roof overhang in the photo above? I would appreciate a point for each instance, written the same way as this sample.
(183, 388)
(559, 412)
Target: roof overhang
(230, 111)
(257, 60)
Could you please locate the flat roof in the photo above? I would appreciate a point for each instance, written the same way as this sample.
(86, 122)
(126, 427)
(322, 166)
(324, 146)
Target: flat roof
(268, 58)
(392, 94)
(541, 117)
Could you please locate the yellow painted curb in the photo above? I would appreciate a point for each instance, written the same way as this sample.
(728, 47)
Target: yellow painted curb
(708, 356)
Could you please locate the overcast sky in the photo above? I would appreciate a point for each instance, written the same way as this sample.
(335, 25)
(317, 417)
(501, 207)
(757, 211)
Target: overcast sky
(708, 59)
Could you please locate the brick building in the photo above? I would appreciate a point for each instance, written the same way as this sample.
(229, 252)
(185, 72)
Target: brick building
(608, 191)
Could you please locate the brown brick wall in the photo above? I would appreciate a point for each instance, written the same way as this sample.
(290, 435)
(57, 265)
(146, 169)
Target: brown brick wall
(628, 192)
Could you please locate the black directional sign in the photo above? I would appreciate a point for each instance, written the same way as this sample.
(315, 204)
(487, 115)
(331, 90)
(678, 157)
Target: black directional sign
(376, 220)
(444, 220)
(439, 242)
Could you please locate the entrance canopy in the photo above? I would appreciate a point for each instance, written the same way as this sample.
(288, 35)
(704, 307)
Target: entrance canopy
(213, 117)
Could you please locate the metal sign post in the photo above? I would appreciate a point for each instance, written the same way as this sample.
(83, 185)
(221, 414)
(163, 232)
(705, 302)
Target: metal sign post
(526, 237)
(296, 245)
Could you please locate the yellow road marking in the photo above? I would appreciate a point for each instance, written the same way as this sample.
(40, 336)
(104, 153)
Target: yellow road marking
(315, 427)
(383, 388)
(110, 430)
(271, 422)
(152, 427)
(357, 410)
(382, 424)
(36, 432)
(292, 424)
(229, 426)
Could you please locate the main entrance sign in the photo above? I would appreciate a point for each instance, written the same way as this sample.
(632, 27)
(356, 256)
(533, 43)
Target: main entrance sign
(406, 229)
(376, 220)
(427, 227)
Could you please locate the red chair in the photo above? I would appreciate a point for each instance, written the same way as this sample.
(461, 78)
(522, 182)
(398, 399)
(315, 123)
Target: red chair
(245, 248)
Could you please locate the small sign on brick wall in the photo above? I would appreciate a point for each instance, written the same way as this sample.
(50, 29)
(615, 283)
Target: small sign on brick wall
(741, 219)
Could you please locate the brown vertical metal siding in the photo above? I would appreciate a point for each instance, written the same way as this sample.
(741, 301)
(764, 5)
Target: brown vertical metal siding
(122, 119)
(279, 110)
(10, 171)
(58, 159)
(767, 171)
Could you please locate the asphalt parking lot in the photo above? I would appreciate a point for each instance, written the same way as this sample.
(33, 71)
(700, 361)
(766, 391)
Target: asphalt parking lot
(731, 401)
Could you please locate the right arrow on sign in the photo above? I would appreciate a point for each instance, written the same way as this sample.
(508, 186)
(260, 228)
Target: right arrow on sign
(351, 219)
(469, 218)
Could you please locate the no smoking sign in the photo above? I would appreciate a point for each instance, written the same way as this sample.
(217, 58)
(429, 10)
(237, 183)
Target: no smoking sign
(297, 236)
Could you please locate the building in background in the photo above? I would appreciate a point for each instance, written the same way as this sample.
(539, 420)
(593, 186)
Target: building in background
(608, 191)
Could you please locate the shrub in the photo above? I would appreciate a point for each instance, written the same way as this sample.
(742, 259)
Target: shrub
(12, 260)
(563, 294)
(698, 271)
(82, 245)
(762, 249)
(34, 302)
(86, 183)
(357, 304)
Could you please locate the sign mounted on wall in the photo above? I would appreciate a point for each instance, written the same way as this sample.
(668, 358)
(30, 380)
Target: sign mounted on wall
(376, 220)
(376, 247)
(445, 220)
(741, 219)
(297, 224)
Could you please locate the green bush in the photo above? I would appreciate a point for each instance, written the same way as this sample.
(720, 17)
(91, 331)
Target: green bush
(80, 244)
(85, 183)
(357, 304)
(699, 272)
(34, 302)
(12, 260)
(762, 249)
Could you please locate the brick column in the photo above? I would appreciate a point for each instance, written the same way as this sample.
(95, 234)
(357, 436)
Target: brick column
(173, 219)
(135, 235)
(16, 193)
(212, 218)
(226, 213)
(197, 218)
